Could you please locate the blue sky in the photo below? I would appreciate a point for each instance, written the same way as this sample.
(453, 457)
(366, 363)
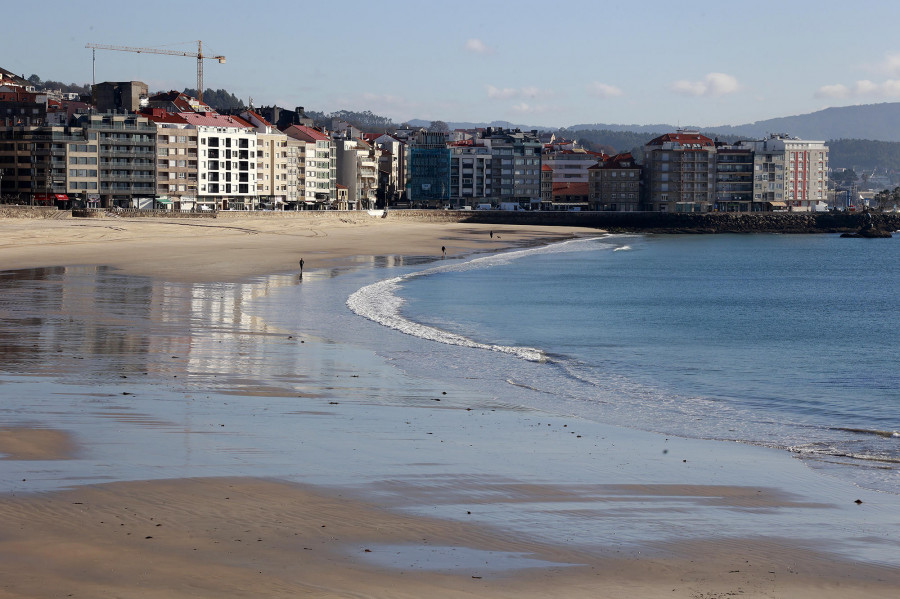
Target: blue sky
(538, 63)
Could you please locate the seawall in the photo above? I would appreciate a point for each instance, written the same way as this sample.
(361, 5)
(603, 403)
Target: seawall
(653, 222)
(12, 211)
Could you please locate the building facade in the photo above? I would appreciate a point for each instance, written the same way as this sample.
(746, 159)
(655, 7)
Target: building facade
(680, 172)
(317, 168)
(516, 166)
(428, 179)
(789, 173)
(470, 174)
(614, 184)
(734, 179)
(226, 161)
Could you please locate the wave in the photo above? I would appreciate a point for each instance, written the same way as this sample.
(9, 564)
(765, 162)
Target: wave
(866, 431)
(380, 303)
(837, 452)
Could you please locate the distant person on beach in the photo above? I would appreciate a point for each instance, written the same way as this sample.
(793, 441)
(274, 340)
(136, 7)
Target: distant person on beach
(444, 251)
(492, 234)
(301, 268)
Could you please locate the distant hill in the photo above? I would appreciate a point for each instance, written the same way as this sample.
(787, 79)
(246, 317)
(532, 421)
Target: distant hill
(469, 125)
(879, 122)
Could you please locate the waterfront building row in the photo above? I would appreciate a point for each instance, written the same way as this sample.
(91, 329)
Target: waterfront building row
(170, 151)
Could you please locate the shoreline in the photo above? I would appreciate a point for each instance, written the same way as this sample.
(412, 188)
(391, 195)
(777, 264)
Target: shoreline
(209, 542)
(228, 250)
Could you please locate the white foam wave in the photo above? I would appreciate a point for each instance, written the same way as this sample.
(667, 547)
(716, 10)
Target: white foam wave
(380, 303)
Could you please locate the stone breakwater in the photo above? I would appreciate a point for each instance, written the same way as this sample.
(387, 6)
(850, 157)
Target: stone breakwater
(652, 222)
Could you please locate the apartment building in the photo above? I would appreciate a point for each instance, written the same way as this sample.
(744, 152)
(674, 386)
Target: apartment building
(177, 164)
(318, 167)
(226, 161)
(680, 172)
(277, 164)
(127, 154)
(515, 167)
(111, 96)
(357, 170)
(734, 179)
(428, 182)
(789, 173)
(570, 163)
(614, 184)
(34, 163)
(470, 173)
(546, 184)
(392, 165)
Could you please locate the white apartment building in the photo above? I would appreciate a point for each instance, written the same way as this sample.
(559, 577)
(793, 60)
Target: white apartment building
(789, 173)
(570, 163)
(226, 161)
(470, 173)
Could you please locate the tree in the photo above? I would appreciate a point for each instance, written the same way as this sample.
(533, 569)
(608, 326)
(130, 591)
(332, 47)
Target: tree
(438, 127)
(35, 79)
(845, 176)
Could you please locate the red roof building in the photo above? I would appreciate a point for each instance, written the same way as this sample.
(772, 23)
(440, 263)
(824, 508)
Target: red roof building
(680, 172)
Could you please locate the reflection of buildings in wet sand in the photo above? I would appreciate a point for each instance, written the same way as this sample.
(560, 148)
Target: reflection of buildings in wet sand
(99, 322)
(70, 313)
(222, 329)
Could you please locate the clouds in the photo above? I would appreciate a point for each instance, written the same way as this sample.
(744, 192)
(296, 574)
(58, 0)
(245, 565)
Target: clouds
(865, 88)
(711, 86)
(530, 93)
(508, 93)
(861, 89)
(476, 46)
(603, 90)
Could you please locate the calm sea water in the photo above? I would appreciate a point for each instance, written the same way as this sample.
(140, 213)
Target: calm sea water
(778, 340)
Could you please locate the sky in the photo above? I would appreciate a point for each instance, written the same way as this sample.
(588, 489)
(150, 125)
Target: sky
(546, 64)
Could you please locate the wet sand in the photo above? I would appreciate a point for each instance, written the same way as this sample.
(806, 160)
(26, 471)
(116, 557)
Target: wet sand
(251, 536)
(258, 538)
(237, 248)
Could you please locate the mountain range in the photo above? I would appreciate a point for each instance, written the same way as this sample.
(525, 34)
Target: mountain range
(879, 122)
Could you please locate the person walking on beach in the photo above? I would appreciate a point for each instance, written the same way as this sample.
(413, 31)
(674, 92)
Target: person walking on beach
(301, 268)
(492, 234)
(444, 251)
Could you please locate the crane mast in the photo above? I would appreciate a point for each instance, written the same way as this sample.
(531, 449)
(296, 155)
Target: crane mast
(198, 55)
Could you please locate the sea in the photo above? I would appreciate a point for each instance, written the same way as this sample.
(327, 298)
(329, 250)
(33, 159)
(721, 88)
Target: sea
(784, 341)
(614, 369)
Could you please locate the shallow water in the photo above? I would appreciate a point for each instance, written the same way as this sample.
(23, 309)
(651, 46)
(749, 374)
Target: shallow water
(783, 341)
(276, 378)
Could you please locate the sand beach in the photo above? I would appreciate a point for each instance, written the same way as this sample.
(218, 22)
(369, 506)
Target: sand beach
(158, 439)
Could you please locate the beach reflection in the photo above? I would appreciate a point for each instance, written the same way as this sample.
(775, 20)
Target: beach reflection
(96, 321)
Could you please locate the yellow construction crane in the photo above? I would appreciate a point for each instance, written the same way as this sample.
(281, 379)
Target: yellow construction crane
(198, 55)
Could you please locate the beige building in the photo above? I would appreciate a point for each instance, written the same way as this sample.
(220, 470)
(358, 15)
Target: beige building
(317, 168)
(614, 184)
(277, 182)
(176, 160)
(680, 172)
